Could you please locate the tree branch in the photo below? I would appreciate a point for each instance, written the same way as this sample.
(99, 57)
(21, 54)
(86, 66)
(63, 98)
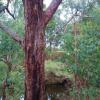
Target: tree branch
(63, 28)
(12, 15)
(3, 8)
(51, 10)
(10, 32)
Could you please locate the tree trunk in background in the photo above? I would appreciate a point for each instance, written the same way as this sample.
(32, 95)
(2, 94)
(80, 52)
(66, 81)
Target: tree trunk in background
(4, 90)
(4, 94)
(34, 51)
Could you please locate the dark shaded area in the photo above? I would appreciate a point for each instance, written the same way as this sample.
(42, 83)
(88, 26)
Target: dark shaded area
(57, 92)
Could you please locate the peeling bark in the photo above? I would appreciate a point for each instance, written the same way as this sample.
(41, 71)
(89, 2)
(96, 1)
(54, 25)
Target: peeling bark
(34, 51)
(35, 24)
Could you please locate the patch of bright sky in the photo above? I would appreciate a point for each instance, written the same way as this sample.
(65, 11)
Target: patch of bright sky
(4, 1)
(47, 3)
(62, 15)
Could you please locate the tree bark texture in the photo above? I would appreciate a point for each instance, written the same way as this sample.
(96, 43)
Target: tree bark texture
(4, 90)
(35, 22)
(34, 51)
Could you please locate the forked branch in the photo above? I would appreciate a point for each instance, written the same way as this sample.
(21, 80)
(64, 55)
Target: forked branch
(51, 10)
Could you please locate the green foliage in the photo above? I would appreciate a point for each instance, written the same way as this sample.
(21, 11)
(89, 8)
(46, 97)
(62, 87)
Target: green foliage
(7, 45)
(3, 71)
(83, 52)
(17, 78)
(10, 51)
(91, 92)
(58, 68)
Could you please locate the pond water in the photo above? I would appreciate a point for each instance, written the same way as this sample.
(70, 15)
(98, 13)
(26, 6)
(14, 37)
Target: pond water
(57, 92)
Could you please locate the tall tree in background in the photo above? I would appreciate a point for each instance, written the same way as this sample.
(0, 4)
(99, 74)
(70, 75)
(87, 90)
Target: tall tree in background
(33, 44)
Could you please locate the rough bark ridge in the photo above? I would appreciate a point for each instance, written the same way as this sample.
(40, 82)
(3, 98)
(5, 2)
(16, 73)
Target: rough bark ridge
(35, 23)
(34, 50)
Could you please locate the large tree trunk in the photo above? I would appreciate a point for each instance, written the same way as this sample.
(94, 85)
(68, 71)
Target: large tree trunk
(35, 21)
(34, 51)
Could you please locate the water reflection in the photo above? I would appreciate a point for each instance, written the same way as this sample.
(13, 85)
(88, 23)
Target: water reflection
(57, 92)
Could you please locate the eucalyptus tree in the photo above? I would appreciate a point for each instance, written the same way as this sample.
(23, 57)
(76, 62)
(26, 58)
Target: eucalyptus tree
(83, 53)
(33, 44)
